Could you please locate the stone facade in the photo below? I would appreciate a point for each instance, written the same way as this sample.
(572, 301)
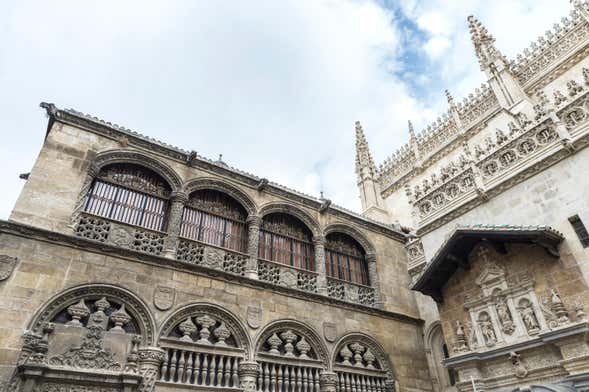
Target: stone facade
(511, 153)
(96, 303)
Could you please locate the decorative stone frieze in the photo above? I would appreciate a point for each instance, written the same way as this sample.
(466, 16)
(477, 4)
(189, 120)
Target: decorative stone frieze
(286, 276)
(211, 257)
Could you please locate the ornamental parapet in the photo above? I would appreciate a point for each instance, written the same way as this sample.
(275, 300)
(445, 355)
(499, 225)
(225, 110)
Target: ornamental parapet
(482, 170)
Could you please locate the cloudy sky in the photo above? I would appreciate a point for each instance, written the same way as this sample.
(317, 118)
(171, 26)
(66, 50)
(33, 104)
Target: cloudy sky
(275, 86)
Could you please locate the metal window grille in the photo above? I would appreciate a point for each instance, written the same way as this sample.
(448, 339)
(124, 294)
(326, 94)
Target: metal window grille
(345, 260)
(214, 218)
(125, 205)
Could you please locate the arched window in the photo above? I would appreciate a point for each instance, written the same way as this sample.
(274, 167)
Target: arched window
(214, 218)
(286, 240)
(345, 259)
(130, 194)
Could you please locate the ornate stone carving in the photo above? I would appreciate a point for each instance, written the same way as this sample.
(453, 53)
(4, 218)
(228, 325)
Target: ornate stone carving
(206, 324)
(7, 265)
(486, 326)
(558, 307)
(164, 297)
(248, 374)
(529, 316)
(518, 367)
(505, 318)
(290, 339)
(122, 236)
(190, 251)
(95, 297)
(93, 228)
(89, 355)
(214, 258)
(288, 278)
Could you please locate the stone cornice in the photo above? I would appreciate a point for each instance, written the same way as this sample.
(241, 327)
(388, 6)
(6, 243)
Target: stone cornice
(25, 231)
(541, 340)
(115, 132)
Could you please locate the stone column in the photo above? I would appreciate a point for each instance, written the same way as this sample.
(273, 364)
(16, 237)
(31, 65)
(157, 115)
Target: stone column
(91, 174)
(373, 278)
(150, 359)
(177, 201)
(319, 243)
(248, 374)
(327, 381)
(253, 240)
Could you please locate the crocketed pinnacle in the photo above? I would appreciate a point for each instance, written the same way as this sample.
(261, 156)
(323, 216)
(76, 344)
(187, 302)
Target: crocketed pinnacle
(363, 156)
(484, 43)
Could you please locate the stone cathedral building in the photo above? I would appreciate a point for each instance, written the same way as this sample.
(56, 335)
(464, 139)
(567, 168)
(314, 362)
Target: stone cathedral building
(129, 265)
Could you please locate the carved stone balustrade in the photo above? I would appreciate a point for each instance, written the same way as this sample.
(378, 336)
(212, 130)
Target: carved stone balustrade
(287, 276)
(351, 292)
(212, 257)
(120, 234)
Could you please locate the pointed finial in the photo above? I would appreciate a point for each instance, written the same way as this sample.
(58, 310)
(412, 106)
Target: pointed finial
(220, 157)
(449, 98)
(484, 43)
(321, 193)
(411, 130)
(363, 157)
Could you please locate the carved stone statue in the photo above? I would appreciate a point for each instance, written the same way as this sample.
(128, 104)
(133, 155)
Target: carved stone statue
(529, 317)
(487, 329)
(505, 316)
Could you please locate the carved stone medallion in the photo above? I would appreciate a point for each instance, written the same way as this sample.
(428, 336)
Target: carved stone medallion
(329, 331)
(121, 236)
(254, 316)
(7, 265)
(288, 278)
(214, 258)
(163, 297)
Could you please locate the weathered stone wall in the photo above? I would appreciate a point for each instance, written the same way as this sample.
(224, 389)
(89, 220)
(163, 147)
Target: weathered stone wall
(54, 188)
(45, 269)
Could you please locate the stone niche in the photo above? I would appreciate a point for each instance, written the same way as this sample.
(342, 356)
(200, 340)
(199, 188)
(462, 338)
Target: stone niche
(88, 345)
(507, 320)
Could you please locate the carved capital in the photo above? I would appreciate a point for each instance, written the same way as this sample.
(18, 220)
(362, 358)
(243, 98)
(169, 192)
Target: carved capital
(151, 356)
(328, 381)
(254, 220)
(248, 369)
(178, 197)
(319, 240)
(93, 170)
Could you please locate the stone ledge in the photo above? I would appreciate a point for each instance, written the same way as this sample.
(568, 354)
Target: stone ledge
(541, 340)
(84, 244)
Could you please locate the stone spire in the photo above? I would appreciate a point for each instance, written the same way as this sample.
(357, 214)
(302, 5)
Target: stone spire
(453, 110)
(413, 140)
(494, 64)
(364, 163)
(484, 44)
(369, 187)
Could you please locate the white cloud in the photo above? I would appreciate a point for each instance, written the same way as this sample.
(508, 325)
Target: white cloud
(274, 86)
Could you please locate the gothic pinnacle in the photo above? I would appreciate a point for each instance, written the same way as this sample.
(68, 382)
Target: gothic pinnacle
(411, 130)
(363, 157)
(450, 99)
(484, 43)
